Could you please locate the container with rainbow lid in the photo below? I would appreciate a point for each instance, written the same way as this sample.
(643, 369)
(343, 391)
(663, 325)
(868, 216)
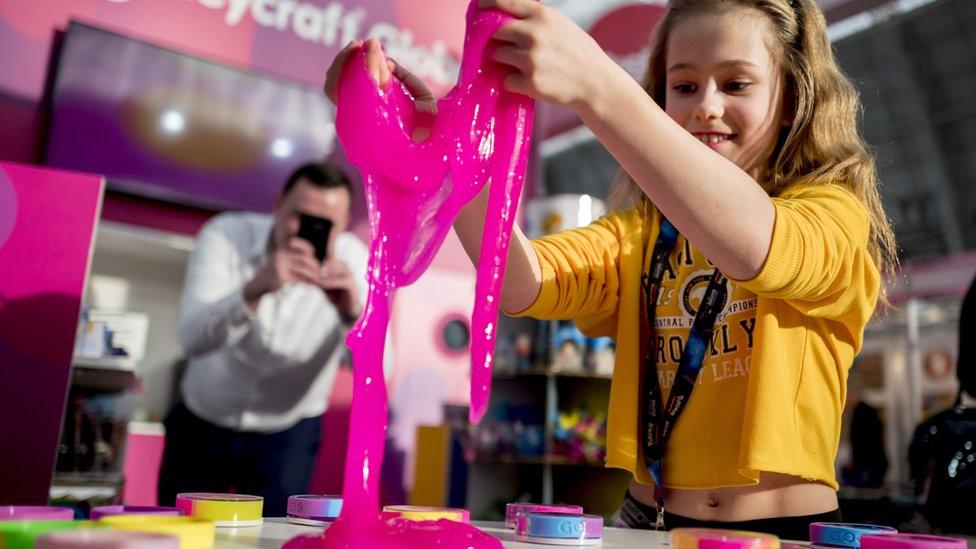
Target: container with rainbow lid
(224, 510)
(841, 534)
(314, 509)
(559, 528)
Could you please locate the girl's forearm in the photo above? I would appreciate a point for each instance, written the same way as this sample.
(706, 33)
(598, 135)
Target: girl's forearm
(522, 272)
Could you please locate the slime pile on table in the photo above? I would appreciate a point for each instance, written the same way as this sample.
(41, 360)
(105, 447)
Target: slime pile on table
(413, 192)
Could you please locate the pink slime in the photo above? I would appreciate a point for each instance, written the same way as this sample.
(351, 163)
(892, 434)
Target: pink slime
(413, 192)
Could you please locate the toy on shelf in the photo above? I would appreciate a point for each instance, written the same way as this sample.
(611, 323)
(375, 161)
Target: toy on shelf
(511, 432)
(581, 435)
(568, 348)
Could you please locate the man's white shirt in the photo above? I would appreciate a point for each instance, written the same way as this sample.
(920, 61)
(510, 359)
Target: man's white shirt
(261, 371)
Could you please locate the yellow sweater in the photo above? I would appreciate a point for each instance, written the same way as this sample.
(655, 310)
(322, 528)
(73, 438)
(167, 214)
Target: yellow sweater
(771, 390)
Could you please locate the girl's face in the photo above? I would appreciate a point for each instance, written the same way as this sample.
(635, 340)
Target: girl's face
(723, 85)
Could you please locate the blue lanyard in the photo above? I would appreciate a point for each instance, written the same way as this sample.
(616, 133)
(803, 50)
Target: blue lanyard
(656, 425)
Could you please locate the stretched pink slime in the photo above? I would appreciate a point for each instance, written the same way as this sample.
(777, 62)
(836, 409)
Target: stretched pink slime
(413, 192)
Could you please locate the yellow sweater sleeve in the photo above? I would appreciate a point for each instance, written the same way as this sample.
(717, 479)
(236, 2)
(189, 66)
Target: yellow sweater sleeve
(581, 273)
(819, 262)
(819, 246)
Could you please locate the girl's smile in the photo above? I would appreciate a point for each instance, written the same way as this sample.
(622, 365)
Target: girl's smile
(715, 140)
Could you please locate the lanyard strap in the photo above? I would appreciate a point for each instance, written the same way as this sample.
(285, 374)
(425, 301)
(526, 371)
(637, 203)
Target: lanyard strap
(656, 425)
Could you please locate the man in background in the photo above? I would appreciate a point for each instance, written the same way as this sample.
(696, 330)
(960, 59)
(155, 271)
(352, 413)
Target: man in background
(263, 322)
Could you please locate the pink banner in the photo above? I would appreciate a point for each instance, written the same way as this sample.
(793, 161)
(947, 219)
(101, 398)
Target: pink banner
(292, 38)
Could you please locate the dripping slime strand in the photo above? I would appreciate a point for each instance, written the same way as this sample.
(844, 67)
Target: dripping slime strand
(414, 191)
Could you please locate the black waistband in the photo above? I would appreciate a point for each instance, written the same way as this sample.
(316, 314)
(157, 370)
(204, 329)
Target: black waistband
(787, 528)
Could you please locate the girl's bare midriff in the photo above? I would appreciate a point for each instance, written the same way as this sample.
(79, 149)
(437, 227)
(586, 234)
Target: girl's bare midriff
(775, 496)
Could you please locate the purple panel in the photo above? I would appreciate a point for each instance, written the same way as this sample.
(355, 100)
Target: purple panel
(45, 262)
(170, 126)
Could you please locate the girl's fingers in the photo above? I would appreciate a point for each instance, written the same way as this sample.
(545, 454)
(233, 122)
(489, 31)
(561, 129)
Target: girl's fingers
(332, 74)
(352, 45)
(376, 63)
(421, 94)
(423, 98)
(512, 56)
(516, 83)
(516, 32)
(518, 8)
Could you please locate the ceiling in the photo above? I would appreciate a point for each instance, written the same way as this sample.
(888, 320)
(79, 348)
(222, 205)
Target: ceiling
(834, 10)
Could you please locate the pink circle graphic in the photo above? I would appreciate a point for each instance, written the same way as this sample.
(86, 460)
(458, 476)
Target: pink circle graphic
(8, 207)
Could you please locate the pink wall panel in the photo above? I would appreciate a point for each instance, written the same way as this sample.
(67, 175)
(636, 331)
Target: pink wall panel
(47, 222)
(427, 375)
(143, 455)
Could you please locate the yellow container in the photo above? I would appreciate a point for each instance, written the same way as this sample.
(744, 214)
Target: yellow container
(420, 512)
(192, 532)
(225, 510)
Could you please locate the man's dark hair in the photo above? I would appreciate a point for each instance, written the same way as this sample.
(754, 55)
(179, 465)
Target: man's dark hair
(320, 175)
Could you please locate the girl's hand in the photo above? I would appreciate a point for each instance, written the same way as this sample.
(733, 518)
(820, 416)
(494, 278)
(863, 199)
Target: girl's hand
(554, 59)
(331, 86)
(381, 69)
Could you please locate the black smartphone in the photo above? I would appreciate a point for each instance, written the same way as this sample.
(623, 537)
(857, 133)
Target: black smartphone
(316, 231)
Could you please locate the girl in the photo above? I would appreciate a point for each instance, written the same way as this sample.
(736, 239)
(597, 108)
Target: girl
(739, 281)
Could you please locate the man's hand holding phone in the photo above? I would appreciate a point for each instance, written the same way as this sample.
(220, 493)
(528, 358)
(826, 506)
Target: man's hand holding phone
(340, 287)
(295, 263)
(305, 259)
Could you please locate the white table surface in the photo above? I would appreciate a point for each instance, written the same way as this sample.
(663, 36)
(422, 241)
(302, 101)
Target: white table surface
(276, 531)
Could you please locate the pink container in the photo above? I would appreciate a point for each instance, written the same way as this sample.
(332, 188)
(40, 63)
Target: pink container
(910, 541)
(35, 512)
(109, 510)
(708, 538)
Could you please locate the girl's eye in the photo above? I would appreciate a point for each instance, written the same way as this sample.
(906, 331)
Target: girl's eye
(683, 88)
(737, 86)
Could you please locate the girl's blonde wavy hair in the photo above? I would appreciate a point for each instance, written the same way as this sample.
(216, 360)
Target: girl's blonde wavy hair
(823, 144)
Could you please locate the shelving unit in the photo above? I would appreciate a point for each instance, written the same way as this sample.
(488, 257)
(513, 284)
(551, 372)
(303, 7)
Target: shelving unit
(546, 476)
(97, 488)
(101, 438)
(552, 406)
(146, 266)
(105, 375)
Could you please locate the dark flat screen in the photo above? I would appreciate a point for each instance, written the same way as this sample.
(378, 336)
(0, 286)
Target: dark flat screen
(168, 125)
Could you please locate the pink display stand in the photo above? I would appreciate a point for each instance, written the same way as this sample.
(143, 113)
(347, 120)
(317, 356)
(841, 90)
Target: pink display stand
(143, 456)
(47, 224)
